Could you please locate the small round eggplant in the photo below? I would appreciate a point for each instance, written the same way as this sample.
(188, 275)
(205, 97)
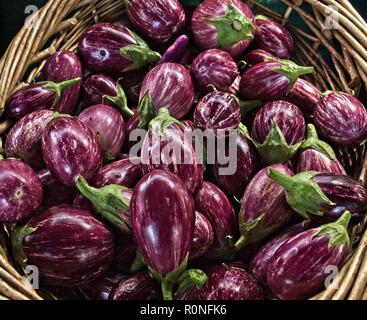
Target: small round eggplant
(341, 118)
(299, 267)
(140, 286)
(170, 86)
(214, 204)
(176, 51)
(67, 244)
(38, 96)
(317, 155)
(214, 68)
(223, 24)
(264, 208)
(108, 126)
(158, 20)
(217, 111)
(20, 191)
(62, 66)
(203, 236)
(270, 80)
(278, 131)
(71, 149)
(112, 48)
(273, 37)
(257, 56)
(24, 140)
(230, 283)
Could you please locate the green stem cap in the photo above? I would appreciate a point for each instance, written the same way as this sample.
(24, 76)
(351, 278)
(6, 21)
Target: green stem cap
(138, 264)
(249, 105)
(163, 120)
(120, 101)
(292, 70)
(58, 88)
(192, 278)
(146, 111)
(17, 237)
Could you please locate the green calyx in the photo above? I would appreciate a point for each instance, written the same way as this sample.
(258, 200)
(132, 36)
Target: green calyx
(119, 101)
(247, 106)
(338, 231)
(138, 264)
(146, 111)
(275, 148)
(191, 278)
(163, 120)
(313, 142)
(17, 237)
(1, 156)
(303, 195)
(107, 201)
(140, 54)
(243, 129)
(58, 88)
(292, 71)
(325, 94)
(232, 28)
(261, 17)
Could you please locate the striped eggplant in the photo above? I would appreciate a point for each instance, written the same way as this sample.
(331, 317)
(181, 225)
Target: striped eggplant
(67, 244)
(223, 24)
(176, 51)
(300, 267)
(341, 118)
(203, 236)
(257, 56)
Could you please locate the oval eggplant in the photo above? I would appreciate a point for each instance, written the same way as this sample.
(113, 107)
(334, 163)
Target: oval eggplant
(46, 177)
(214, 68)
(20, 191)
(67, 244)
(169, 86)
(96, 86)
(176, 51)
(203, 237)
(341, 118)
(214, 204)
(273, 37)
(223, 24)
(62, 66)
(71, 149)
(108, 126)
(299, 267)
(270, 80)
(158, 20)
(24, 140)
(257, 56)
(112, 48)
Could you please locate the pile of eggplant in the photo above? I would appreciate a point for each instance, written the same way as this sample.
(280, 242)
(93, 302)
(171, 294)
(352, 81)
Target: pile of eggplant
(102, 224)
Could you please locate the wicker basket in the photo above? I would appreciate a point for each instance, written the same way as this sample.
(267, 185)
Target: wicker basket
(59, 24)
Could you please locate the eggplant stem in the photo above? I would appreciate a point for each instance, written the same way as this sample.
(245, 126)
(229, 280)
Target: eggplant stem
(167, 288)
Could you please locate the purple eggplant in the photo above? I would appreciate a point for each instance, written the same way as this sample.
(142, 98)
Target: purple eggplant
(170, 86)
(62, 66)
(214, 68)
(46, 177)
(158, 20)
(271, 80)
(230, 283)
(24, 140)
(317, 155)
(203, 236)
(131, 82)
(165, 132)
(223, 24)
(299, 268)
(140, 286)
(264, 208)
(20, 191)
(163, 226)
(278, 131)
(214, 204)
(257, 56)
(305, 96)
(108, 126)
(218, 111)
(67, 244)
(191, 293)
(38, 96)
(328, 195)
(273, 37)
(260, 262)
(71, 149)
(112, 48)
(176, 51)
(341, 118)
(235, 86)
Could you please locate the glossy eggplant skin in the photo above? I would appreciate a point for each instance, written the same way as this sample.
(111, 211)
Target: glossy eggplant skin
(69, 246)
(257, 56)
(157, 20)
(214, 68)
(24, 140)
(230, 283)
(273, 37)
(20, 191)
(70, 149)
(341, 118)
(203, 236)
(140, 286)
(170, 85)
(108, 125)
(191, 293)
(176, 51)
(208, 36)
(62, 66)
(163, 220)
(96, 86)
(215, 205)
